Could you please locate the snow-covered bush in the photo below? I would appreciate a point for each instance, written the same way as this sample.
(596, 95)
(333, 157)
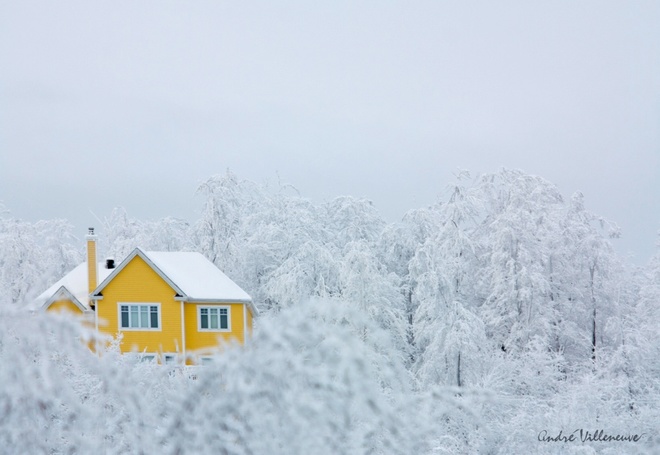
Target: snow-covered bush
(306, 383)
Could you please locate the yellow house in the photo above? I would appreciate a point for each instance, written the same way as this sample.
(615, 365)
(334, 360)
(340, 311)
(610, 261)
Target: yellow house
(166, 305)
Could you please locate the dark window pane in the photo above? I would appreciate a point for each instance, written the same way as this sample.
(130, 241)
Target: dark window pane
(223, 321)
(124, 316)
(154, 317)
(204, 323)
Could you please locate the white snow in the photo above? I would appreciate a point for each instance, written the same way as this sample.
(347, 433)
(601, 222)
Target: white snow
(76, 283)
(197, 277)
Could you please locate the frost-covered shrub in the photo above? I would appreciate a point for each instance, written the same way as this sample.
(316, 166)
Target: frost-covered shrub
(307, 383)
(56, 396)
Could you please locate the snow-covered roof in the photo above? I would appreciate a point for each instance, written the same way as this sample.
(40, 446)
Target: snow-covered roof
(76, 283)
(197, 277)
(191, 275)
(63, 294)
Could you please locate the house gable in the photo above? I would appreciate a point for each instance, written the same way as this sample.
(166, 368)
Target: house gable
(135, 283)
(137, 252)
(63, 300)
(74, 283)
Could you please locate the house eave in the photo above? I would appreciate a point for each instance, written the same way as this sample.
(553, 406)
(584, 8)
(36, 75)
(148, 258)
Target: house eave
(222, 300)
(125, 262)
(63, 292)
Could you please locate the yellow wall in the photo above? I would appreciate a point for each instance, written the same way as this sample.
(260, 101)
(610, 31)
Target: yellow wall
(64, 305)
(138, 283)
(204, 342)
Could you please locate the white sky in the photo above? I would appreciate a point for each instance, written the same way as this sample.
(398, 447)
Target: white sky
(134, 103)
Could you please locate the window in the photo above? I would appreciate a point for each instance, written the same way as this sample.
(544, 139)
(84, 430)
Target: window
(138, 357)
(215, 318)
(139, 317)
(169, 358)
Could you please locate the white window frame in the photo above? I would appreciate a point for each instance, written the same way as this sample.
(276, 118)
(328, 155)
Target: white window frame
(139, 329)
(218, 307)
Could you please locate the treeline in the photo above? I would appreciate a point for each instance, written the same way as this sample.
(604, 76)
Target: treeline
(503, 286)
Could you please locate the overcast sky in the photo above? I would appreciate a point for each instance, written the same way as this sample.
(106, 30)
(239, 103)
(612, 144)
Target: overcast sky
(134, 103)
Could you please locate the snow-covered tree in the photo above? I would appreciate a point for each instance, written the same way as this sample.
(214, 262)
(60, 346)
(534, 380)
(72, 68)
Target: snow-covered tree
(449, 337)
(365, 283)
(595, 270)
(33, 255)
(397, 247)
(521, 219)
(349, 220)
(283, 230)
(310, 271)
(219, 233)
(121, 234)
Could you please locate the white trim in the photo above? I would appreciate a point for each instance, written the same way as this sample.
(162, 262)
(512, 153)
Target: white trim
(254, 310)
(183, 333)
(125, 262)
(96, 326)
(216, 300)
(219, 307)
(244, 323)
(63, 293)
(139, 329)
